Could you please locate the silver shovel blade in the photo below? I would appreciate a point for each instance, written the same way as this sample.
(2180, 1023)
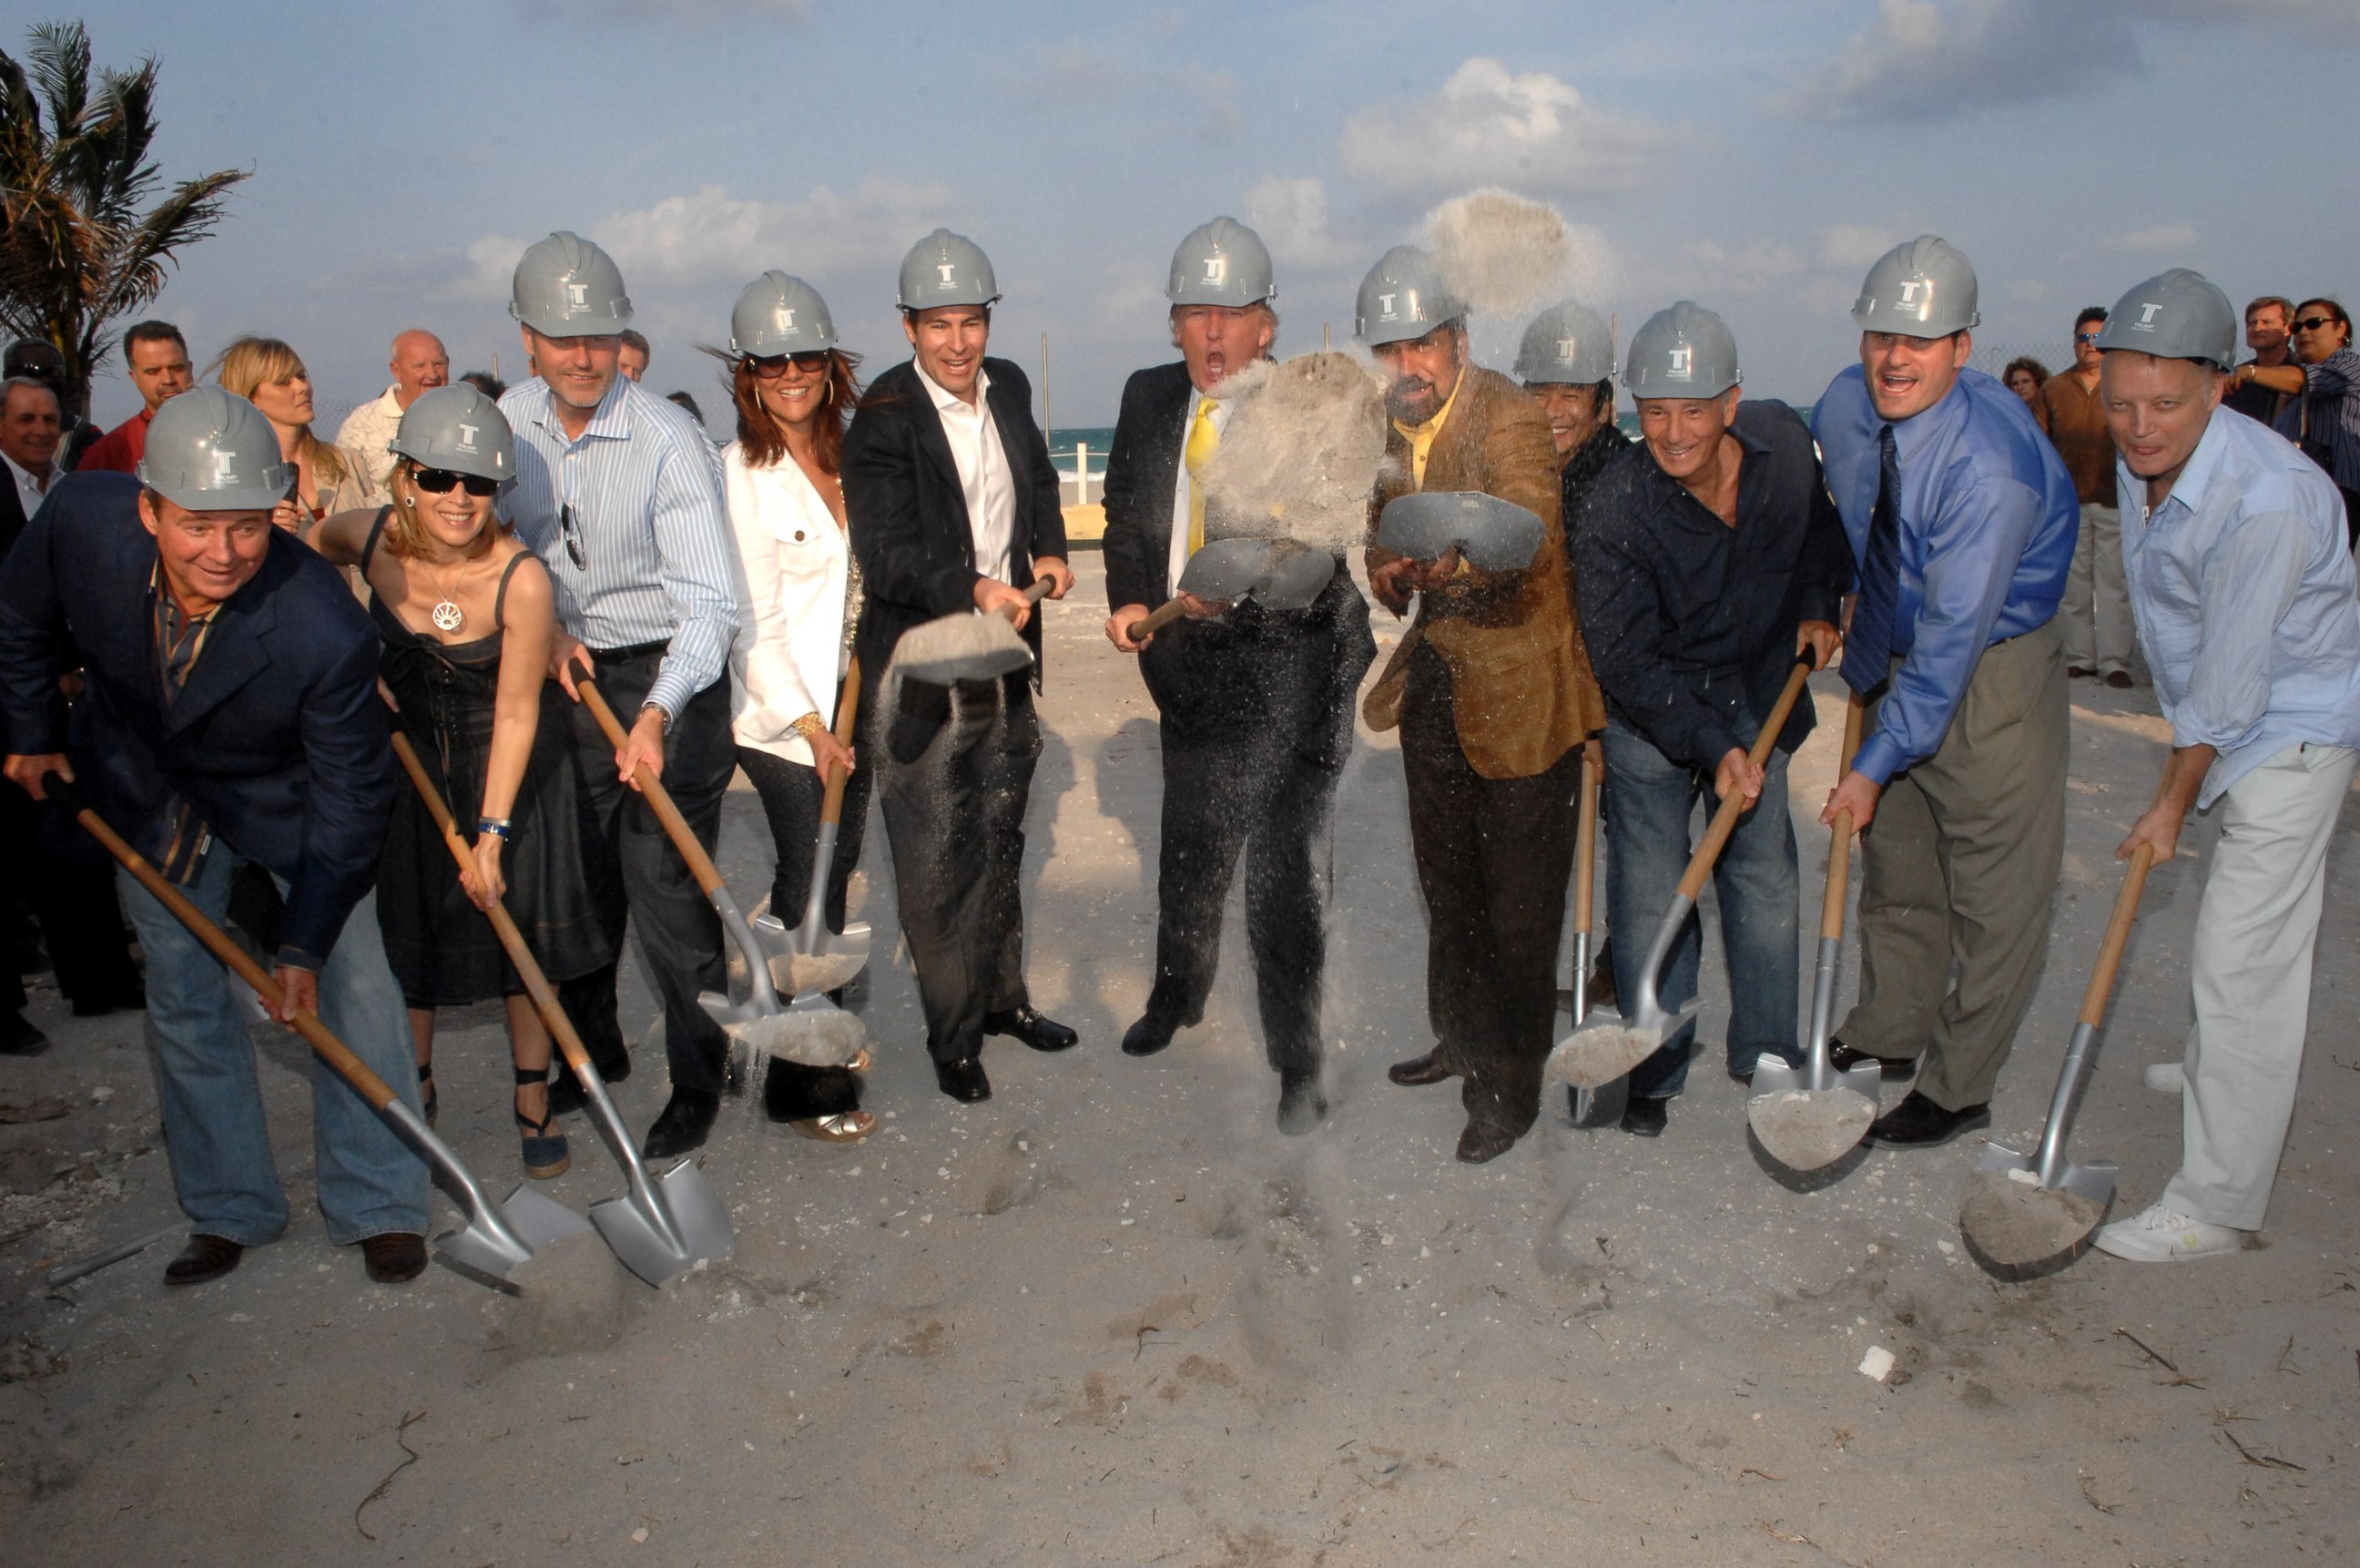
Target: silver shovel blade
(1493, 535)
(1605, 1048)
(1772, 1076)
(2094, 1181)
(961, 648)
(725, 1012)
(779, 940)
(679, 1224)
(490, 1248)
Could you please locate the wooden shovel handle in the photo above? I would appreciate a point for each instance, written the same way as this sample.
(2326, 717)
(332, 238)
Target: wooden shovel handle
(675, 826)
(1585, 853)
(1033, 593)
(2118, 936)
(1831, 907)
(1725, 821)
(536, 984)
(332, 1051)
(847, 711)
(1156, 620)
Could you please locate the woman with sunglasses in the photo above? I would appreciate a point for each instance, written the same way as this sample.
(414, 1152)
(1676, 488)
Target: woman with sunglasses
(2323, 382)
(467, 622)
(793, 390)
(328, 477)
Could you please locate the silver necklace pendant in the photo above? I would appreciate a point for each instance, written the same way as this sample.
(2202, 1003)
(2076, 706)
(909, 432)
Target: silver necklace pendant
(448, 617)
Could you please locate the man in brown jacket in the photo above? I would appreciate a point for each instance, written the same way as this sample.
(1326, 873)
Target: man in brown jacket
(1493, 701)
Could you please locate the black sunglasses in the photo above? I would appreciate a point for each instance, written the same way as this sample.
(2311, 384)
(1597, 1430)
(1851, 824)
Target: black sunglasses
(770, 367)
(572, 529)
(2317, 324)
(438, 482)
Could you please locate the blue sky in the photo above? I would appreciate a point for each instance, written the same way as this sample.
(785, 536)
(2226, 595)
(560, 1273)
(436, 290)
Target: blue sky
(1753, 156)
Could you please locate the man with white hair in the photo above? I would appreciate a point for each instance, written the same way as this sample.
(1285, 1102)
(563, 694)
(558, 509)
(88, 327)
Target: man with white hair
(418, 363)
(2234, 545)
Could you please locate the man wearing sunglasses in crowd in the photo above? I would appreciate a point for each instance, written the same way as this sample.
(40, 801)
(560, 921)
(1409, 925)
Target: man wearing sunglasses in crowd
(619, 495)
(2322, 385)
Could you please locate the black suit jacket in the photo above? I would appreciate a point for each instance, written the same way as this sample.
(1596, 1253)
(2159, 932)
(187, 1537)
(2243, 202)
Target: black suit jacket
(907, 515)
(1142, 473)
(278, 739)
(12, 512)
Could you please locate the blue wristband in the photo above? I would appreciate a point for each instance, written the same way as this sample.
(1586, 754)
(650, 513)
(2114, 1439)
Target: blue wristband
(497, 827)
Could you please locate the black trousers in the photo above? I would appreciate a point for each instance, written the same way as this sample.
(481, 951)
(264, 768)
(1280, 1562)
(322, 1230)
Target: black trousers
(634, 870)
(57, 875)
(955, 791)
(1493, 856)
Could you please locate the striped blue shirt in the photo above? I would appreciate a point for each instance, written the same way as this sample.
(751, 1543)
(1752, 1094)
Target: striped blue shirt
(2325, 420)
(656, 560)
(2244, 596)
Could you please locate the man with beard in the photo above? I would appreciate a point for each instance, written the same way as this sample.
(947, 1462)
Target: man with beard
(1255, 704)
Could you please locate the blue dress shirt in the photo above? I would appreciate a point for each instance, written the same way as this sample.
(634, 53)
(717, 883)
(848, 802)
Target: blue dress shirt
(657, 561)
(1988, 520)
(2245, 600)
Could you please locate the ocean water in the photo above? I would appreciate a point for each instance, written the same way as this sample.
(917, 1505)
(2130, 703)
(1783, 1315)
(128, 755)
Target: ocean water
(1098, 438)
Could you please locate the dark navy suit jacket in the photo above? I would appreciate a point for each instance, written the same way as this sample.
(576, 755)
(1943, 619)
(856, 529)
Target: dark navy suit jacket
(278, 739)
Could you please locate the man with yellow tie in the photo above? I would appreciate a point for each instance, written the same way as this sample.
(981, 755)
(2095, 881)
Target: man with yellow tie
(1255, 704)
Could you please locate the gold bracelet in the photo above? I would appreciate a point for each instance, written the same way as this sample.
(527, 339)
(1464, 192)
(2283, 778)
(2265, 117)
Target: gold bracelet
(808, 726)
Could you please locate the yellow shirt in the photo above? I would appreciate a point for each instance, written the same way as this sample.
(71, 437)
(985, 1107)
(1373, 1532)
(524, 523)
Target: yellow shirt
(1421, 436)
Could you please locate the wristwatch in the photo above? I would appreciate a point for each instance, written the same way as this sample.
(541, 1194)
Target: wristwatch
(663, 719)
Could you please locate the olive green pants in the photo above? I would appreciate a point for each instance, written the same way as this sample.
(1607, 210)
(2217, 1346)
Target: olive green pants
(1959, 873)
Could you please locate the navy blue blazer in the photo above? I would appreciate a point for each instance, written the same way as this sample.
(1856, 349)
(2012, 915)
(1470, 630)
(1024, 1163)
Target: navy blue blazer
(279, 739)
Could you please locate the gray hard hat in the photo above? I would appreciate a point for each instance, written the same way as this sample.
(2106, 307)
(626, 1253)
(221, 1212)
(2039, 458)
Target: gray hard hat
(458, 428)
(1401, 298)
(779, 315)
(1683, 352)
(946, 269)
(1221, 263)
(210, 450)
(1923, 288)
(1568, 343)
(2178, 315)
(566, 287)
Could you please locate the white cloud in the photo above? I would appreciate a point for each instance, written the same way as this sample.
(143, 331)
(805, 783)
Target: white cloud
(2159, 237)
(1857, 246)
(1292, 216)
(1074, 70)
(711, 236)
(1490, 125)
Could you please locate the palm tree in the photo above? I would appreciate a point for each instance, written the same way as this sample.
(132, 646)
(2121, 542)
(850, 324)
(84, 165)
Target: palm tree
(77, 251)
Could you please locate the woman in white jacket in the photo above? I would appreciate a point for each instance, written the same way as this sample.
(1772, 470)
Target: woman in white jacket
(793, 390)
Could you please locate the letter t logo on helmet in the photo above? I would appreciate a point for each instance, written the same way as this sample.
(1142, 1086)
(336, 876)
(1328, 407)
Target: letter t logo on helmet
(224, 465)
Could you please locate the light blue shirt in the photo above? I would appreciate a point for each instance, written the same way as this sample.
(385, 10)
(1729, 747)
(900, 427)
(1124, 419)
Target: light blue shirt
(2245, 600)
(1988, 520)
(658, 564)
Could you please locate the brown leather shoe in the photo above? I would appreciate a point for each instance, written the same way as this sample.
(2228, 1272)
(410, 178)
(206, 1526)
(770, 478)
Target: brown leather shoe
(1419, 1072)
(205, 1257)
(394, 1258)
(1481, 1141)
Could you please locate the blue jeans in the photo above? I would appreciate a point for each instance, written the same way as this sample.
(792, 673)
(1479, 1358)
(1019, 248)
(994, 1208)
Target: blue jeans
(1651, 800)
(370, 1183)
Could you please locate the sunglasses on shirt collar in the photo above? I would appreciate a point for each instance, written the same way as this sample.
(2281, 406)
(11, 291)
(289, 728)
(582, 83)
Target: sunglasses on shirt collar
(440, 481)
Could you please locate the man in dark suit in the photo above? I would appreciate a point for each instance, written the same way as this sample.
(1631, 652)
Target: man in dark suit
(231, 713)
(954, 509)
(1256, 706)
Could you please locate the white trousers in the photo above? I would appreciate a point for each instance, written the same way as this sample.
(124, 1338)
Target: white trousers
(2256, 932)
(2095, 612)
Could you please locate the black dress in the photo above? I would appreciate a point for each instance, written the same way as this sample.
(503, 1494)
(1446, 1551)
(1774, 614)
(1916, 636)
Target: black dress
(442, 948)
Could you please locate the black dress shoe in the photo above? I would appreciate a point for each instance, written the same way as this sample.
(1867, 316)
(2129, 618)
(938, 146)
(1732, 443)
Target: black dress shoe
(1918, 1123)
(2119, 679)
(565, 1095)
(1894, 1070)
(1301, 1106)
(19, 1037)
(963, 1079)
(1419, 1072)
(1646, 1116)
(1041, 1033)
(687, 1118)
(205, 1257)
(1149, 1035)
(1481, 1141)
(394, 1258)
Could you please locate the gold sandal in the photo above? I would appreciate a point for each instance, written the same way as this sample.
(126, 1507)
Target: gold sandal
(845, 1127)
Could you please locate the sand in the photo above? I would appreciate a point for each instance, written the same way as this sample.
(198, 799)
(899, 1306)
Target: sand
(1300, 452)
(1501, 253)
(2018, 1223)
(1600, 1052)
(1804, 1130)
(1113, 1316)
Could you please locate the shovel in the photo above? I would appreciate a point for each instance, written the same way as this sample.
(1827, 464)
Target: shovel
(1602, 1106)
(495, 1240)
(760, 1026)
(1277, 574)
(1489, 534)
(953, 648)
(662, 1226)
(828, 960)
(1601, 1052)
(2022, 1210)
(1811, 1115)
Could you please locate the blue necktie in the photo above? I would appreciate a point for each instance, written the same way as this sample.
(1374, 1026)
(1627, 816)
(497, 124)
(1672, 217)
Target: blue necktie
(1875, 618)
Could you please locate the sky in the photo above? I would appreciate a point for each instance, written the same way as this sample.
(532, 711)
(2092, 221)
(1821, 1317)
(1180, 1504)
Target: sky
(1755, 158)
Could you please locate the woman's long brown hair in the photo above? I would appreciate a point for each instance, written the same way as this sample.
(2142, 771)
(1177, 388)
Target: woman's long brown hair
(759, 433)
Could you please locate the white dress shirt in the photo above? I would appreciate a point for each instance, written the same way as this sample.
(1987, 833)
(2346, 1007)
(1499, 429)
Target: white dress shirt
(983, 472)
(369, 429)
(790, 651)
(1181, 493)
(29, 494)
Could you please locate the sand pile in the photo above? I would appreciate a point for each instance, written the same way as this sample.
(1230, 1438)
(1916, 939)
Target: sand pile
(2015, 1222)
(1501, 253)
(1301, 451)
(1804, 1130)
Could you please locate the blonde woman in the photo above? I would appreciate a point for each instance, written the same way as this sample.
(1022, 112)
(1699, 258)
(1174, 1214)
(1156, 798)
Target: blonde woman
(467, 620)
(329, 478)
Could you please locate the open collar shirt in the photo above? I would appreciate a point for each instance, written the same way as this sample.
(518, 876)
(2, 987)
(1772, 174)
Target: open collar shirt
(1988, 519)
(658, 562)
(2244, 595)
(29, 492)
(983, 471)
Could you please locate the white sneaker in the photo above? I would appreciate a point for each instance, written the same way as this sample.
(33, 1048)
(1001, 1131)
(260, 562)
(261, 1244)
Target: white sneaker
(2158, 1234)
(2166, 1078)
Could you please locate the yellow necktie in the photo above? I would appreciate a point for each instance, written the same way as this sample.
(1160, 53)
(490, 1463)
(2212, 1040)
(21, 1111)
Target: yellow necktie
(1203, 440)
